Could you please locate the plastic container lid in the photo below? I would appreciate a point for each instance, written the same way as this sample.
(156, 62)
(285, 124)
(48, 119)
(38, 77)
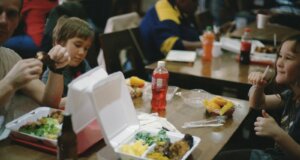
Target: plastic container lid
(114, 108)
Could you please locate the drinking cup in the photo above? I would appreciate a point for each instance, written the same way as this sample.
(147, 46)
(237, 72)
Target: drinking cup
(262, 20)
(217, 49)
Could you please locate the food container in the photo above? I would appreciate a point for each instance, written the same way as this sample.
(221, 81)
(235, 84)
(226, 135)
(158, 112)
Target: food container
(219, 106)
(32, 116)
(194, 97)
(86, 137)
(117, 116)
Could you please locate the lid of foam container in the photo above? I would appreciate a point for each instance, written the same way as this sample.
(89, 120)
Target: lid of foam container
(114, 109)
(78, 101)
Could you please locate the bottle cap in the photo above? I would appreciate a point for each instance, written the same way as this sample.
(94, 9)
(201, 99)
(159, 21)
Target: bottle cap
(161, 64)
(247, 30)
(208, 28)
(67, 114)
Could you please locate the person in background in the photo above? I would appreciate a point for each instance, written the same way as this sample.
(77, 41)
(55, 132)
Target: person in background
(287, 134)
(169, 25)
(69, 8)
(34, 14)
(76, 36)
(19, 79)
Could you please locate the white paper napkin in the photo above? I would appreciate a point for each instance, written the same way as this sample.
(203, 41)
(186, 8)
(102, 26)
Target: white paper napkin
(156, 122)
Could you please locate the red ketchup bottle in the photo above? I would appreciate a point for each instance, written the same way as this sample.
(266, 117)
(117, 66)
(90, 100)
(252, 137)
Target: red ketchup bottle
(245, 47)
(160, 79)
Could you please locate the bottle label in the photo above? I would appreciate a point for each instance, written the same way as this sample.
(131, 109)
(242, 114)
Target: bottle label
(158, 82)
(246, 46)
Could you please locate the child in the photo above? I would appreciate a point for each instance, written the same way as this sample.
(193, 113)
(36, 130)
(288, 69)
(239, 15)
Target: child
(76, 36)
(287, 134)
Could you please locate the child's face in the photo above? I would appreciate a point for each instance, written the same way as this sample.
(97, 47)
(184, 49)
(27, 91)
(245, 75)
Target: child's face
(78, 48)
(287, 65)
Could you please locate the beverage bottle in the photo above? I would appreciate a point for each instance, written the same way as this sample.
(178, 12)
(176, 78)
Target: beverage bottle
(245, 47)
(160, 79)
(208, 42)
(67, 140)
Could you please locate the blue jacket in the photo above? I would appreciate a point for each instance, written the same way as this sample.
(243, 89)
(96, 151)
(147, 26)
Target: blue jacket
(163, 28)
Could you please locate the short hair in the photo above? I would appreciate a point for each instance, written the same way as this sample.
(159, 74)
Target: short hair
(67, 28)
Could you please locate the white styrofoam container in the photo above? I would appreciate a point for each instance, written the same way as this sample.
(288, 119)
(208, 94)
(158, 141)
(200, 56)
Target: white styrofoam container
(117, 116)
(32, 116)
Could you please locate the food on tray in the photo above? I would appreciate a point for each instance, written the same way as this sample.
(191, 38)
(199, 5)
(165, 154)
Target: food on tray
(136, 82)
(137, 148)
(142, 140)
(135, 86)
(266, 49)
(219, 105)
(149, 139)
(157, 156)
(167, 150)
(57, 115)
(48, 127)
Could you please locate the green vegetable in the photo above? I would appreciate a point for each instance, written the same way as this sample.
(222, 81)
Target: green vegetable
(44, 127)
(147, 138)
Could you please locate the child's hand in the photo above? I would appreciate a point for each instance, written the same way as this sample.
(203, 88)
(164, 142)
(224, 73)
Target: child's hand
(60, 55)
(257, 78)
(260, 79)
(266, 125)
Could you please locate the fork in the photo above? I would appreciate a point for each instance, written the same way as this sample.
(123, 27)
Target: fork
(216, 122)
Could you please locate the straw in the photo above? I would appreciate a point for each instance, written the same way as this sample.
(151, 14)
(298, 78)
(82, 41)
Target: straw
(266, 72)
(275, 39)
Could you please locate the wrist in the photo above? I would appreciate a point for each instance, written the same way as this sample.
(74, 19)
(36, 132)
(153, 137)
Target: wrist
(9, 85)
(56, 70)
(279, 135)
(255, 88)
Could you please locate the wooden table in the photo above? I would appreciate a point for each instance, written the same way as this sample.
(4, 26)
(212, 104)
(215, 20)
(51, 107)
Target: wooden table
(212, 139)
(222, 74)
(267, 34)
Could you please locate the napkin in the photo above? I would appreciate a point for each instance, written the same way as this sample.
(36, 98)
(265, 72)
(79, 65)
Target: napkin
(181, 56)
(154, 121)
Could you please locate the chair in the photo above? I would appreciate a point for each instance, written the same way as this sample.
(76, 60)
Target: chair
(118, 23)
(118, 45)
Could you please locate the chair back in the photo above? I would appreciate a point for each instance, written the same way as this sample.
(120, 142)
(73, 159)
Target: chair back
(118, 23)
(122, 22)
(122, 52)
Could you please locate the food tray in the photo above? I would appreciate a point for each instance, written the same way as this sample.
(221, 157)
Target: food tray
(194, 97)
(173, 138)
(121, 130)
(32, 116)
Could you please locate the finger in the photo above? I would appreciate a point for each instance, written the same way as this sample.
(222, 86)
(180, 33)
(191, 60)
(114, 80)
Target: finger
(35, 70)
(258, 133)
(65, 60)
(265, 114)
(257, 129)
(35, 63)
(259, 119)
(53, 52)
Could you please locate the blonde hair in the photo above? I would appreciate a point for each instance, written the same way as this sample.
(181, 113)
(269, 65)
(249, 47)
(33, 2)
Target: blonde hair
(67, 28)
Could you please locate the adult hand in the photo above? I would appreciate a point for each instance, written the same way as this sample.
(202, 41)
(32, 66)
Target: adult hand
(60, 56)
(23, 72)
(266, 126)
